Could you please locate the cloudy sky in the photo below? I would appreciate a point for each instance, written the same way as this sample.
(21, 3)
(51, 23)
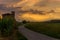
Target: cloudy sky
(27, 4)
(44, 5)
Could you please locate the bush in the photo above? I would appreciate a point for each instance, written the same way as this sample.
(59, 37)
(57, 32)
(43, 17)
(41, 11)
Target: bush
(24, 22)
(6, 26)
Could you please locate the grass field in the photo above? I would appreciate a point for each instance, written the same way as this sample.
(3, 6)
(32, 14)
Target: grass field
(50, 29)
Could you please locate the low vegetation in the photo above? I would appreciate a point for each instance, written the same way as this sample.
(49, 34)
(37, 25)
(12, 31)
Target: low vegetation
(50, 29)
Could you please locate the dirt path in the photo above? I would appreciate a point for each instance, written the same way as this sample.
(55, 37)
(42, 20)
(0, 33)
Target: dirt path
(31, 35)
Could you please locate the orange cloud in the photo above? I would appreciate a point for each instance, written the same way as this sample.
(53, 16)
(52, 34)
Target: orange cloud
(34, 17)
(29, 16)
(26, 3)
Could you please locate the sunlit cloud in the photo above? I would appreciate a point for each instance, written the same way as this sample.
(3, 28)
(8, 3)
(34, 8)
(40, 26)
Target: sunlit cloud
(26, 5)
(32, 17)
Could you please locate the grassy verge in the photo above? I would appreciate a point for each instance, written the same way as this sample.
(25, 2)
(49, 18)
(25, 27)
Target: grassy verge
(16, 36)
(50, 29)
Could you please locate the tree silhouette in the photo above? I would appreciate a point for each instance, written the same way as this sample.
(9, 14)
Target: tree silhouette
(24, 21)
(51, 11)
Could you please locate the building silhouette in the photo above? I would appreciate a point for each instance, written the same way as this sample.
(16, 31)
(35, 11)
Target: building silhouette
(12, 14)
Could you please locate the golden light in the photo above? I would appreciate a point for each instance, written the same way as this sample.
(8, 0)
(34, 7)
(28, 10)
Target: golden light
(0, 17)
(34, 17)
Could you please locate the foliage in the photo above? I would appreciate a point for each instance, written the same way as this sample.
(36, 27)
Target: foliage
(24, 22)
(8, 26)
(20, 36)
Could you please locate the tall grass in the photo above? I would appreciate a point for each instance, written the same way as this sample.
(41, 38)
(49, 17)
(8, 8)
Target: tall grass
(8, 28)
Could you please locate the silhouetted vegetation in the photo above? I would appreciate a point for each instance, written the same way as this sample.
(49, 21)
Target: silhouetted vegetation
(52, 21)
(8, 28)
(24, 22)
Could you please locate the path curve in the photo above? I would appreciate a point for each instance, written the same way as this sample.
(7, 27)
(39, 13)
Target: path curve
(31, 35)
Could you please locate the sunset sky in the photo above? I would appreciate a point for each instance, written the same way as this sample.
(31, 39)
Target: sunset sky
(25, 5)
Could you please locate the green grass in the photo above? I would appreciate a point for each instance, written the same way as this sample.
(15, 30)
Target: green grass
(50, 29)
(19, 36)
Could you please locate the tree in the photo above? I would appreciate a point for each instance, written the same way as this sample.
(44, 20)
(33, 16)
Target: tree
(51, 11)
(24, 21)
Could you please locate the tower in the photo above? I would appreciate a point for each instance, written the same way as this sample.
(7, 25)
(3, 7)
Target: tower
(13, 13)
(7, 15)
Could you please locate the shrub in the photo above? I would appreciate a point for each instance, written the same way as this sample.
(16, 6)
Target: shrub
(6, 26)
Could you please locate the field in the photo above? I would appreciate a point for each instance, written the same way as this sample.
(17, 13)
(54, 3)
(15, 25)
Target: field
(50, 29)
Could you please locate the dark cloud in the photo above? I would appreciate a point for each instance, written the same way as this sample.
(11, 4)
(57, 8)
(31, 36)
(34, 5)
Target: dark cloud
(4, 4)
(8, 1)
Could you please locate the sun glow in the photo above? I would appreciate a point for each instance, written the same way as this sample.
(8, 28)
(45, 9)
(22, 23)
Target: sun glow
(0, 17)
(34, 17)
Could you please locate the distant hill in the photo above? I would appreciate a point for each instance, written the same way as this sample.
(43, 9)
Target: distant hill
(53, 21)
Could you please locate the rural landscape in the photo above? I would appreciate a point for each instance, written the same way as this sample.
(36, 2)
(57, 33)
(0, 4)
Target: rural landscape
(29, 19)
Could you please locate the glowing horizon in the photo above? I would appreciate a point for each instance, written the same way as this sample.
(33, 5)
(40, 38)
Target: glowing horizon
(29, 16)
(39, 5)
